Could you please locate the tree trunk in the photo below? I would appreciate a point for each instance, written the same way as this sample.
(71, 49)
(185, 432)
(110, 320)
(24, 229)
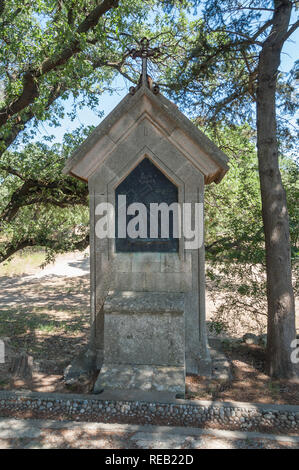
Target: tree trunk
(280, 296)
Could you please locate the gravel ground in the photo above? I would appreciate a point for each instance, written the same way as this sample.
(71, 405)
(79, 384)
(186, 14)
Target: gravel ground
(45, 434)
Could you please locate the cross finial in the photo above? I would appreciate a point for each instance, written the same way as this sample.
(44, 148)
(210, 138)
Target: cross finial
(144, 52)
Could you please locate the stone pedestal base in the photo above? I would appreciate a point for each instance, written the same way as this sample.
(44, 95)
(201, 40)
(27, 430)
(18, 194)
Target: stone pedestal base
(144, 342)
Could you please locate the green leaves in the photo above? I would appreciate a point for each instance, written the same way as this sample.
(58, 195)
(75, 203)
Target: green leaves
(54, 45)
(40, 206)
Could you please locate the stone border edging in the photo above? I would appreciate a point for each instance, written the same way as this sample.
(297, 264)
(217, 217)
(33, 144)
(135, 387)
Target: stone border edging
(150, 407)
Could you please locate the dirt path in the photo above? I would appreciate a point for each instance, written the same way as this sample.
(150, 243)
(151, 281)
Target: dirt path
(67, 266)
(42, 434)
(46, 313)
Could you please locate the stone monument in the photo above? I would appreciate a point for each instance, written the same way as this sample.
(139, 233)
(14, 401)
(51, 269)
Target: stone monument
(148, 325)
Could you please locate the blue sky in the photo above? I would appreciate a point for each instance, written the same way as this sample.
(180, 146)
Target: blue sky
(87, 116)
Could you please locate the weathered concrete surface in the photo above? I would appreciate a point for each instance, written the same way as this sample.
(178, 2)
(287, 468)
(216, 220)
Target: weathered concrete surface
(144, 329)
(48, 434)
(144, 342)
(142, 378)
(134, 302)
(146, 338)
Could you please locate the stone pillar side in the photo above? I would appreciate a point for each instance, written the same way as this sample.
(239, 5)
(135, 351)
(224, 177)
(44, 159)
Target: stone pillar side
(194, 300)
(92, 261)
(99, 273)
(205, 357)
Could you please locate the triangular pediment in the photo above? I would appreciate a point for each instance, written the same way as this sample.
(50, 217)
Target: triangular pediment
(146, 119)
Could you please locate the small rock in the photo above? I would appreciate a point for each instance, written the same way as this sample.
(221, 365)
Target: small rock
(250, 338)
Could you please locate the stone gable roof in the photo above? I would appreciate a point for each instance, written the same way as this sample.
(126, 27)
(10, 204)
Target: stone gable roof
(168, 121)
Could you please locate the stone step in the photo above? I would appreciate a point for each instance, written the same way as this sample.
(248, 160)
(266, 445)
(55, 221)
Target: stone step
(141, 377)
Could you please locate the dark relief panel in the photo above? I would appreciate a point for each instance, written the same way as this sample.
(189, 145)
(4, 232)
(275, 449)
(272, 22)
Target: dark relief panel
(147, 184)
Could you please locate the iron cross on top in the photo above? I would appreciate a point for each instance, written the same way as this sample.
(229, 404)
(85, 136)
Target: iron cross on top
(145, 52)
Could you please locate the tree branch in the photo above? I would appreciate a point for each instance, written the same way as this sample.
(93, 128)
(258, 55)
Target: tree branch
(21, 120)
(30, 86)
(2, 6)
(11, 171)
(35, 191)
(291, 30)
(12, 248)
